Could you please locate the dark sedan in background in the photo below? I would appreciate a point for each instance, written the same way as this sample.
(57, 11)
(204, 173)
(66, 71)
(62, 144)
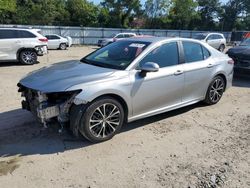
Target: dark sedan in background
(241, 56)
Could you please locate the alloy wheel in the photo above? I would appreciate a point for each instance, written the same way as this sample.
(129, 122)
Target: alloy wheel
(28, 57)
(63, 46)
(216, 90)
(104, 120)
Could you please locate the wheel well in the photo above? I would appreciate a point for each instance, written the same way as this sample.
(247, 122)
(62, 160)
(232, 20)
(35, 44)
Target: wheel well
(224, 78)
(119, 99)
(22, 49)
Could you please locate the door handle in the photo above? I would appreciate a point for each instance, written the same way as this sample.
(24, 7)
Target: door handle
(18, 41)
(210, 65)
(178, 72)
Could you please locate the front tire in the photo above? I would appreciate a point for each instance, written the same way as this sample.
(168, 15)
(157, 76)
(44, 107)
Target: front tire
(215, 90)
(28, 57)
(102, 119)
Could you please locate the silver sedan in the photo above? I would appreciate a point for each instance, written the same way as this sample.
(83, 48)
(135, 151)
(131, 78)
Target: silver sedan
(126, 81)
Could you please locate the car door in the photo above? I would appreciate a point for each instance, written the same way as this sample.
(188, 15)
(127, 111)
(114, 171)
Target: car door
(27, 38)
(9, 44)
(159, 90)
(53, 42)
(220, 41)
(198, 70)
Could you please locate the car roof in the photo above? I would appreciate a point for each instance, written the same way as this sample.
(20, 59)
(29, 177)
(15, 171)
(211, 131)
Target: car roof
(15, 28)
(153, 39)
(207, 33)
(150, 39)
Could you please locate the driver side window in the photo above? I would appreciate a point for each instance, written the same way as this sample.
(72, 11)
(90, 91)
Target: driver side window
(165, 55)
(120, 36)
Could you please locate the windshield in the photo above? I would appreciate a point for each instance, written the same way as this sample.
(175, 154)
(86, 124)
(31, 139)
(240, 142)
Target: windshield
(245, 42)
(200, 36)
(117, 55)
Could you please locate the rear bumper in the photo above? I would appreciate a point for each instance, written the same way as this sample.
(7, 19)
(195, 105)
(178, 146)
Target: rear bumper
(230, 79)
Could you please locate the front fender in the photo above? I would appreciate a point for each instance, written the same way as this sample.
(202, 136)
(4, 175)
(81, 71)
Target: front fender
(93, 91)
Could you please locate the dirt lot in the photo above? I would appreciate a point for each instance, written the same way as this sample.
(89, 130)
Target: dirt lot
(197, 146)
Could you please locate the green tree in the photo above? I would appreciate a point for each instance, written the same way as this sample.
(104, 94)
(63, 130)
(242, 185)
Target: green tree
(183, 13)
(122, 11)
(156, 12)
(208, 11)
(104, 18)
(82, 12)
(42, 12)
(7, 7)
(230, 14)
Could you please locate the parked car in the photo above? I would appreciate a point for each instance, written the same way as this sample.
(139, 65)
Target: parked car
(114, 37)
(238, 36)
(57, 42)
(22, 45)
(216, 40)
(241, 56)
(126, 81)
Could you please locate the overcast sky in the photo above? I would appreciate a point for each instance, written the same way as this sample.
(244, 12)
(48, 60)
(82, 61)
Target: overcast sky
(143, 1)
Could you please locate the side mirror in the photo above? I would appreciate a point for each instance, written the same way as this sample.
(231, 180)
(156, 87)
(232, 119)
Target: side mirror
(148, 67)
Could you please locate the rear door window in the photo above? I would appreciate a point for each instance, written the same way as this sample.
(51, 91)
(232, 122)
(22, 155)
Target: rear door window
(126, 35)
(8, 34)
(53, 37)
(211, 37)
(193, 52)
(219, 37)
(206, 53)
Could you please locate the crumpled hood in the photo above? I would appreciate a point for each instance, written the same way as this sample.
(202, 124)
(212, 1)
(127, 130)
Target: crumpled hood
(60, 76)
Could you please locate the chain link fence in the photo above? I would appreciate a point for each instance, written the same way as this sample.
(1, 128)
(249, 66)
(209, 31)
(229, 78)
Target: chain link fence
(91, 35)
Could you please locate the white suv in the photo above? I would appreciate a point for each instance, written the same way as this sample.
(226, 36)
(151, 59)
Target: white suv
(22, 45)
(216, 40)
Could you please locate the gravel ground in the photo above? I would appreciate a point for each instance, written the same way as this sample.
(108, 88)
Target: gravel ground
(196, 146)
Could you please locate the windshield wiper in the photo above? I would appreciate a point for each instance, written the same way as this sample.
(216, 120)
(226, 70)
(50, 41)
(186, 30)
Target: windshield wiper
(83, 60)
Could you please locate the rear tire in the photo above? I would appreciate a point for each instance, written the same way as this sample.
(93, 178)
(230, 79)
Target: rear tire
(222, 48)
(28, 57)
(62, 46)
(101, 119)
(215, 90)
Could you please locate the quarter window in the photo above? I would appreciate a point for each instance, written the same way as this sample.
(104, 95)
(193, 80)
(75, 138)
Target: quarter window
(165, 55)
(206, 53)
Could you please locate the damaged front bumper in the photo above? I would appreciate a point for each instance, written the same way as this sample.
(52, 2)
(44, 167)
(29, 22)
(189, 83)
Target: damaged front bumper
(48, 106)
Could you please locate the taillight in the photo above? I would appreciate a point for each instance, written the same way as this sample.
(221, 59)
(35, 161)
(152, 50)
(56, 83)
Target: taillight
(231, 62)
(43, 39)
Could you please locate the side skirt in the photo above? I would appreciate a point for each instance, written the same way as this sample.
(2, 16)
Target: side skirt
(162, 110)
